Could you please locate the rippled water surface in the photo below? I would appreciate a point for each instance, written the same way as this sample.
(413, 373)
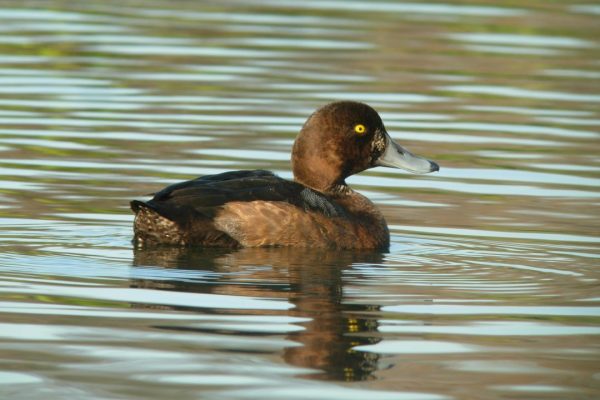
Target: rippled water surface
(489, 291)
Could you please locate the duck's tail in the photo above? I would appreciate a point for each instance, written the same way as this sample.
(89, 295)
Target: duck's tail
(137, 205)
(150, 226)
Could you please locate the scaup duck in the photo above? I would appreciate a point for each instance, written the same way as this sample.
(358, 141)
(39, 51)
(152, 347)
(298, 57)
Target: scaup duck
(257, 208)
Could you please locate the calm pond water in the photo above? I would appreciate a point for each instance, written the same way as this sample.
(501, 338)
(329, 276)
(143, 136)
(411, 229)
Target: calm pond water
(490, 289)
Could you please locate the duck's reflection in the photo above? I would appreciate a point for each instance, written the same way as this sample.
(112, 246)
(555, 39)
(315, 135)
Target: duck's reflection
(310, 279)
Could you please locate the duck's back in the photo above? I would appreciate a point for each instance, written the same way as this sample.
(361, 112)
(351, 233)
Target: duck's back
(241, 208)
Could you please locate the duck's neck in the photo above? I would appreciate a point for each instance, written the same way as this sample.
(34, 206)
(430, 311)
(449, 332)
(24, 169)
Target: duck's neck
(318, 169)
(340, 190)
(322, 185)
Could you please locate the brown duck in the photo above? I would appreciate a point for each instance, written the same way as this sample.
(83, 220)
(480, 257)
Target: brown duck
(257, 208)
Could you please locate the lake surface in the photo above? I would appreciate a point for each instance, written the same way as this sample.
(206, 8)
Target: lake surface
(490, 289)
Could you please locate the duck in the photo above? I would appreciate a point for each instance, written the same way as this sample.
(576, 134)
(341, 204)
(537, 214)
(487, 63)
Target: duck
(256, 208)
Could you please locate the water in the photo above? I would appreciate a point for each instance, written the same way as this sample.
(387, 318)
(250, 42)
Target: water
(490, 288)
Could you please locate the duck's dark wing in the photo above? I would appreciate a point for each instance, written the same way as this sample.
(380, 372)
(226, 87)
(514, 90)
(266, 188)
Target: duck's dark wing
(211, 191)
(205, 195)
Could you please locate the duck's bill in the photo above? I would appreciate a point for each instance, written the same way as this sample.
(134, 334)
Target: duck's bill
(396, 156)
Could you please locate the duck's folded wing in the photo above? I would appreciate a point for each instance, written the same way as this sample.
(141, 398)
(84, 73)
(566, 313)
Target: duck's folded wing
(208, 194)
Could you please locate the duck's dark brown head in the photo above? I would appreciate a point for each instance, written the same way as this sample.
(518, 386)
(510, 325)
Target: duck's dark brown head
(343, 138)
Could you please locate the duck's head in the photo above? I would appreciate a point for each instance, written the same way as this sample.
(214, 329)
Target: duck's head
(343, 138)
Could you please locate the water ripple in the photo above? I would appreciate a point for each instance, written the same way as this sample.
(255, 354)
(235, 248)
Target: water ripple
(491, 277)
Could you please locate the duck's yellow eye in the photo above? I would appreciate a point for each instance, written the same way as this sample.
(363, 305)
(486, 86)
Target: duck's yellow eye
(360, 129)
